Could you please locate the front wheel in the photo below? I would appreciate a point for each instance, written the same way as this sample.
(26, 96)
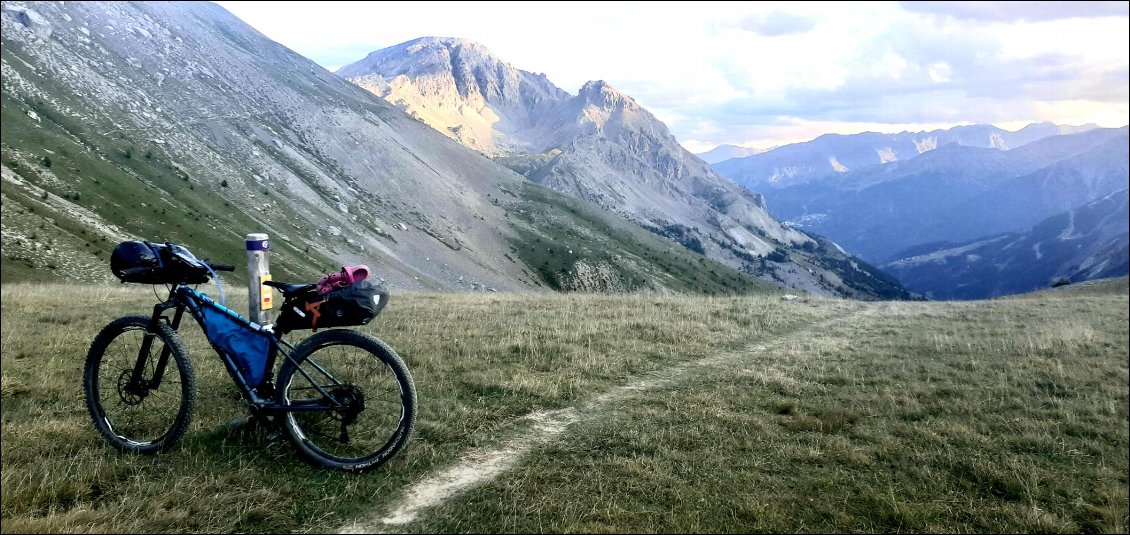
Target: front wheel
(353, 400)
(140, 387)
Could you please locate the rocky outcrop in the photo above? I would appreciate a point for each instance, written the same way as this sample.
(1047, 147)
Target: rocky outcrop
(29, 20)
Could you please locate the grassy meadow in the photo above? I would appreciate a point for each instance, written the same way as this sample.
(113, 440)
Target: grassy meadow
(692, 414)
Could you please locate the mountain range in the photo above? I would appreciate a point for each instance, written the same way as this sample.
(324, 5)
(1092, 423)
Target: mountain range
(985, 186)
(444, 167)
(177, 121)
(799, 163)
(602, 147)
(1089, 242)
(954, 193)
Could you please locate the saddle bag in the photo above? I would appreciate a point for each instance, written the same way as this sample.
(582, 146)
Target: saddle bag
(356, 304)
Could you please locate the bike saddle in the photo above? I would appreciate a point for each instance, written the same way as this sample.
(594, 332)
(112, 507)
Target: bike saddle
(290, 289)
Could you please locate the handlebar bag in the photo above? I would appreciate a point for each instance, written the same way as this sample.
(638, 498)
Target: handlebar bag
(156, 263)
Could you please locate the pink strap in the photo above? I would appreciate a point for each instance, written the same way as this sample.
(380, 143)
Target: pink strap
(348, 275)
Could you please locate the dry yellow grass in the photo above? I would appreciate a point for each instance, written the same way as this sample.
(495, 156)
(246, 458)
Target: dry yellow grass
(1006, 415)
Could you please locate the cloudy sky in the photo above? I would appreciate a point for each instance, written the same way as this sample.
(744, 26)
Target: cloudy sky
(761, 74)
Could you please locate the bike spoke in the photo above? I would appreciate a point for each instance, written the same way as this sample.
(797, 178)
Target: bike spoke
(369, 405)
(145, 415)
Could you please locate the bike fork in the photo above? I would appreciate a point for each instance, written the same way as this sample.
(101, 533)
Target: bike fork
(138, 384)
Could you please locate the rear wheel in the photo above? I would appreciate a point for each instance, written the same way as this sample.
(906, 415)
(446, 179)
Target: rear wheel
(139, 415)
(364, 401)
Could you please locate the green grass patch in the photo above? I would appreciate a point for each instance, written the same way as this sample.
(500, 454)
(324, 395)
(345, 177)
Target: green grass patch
(823, 416)
(994, 416)
(478, 363)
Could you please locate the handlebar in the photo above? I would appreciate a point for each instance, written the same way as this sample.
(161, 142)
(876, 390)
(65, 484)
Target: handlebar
(215, 267)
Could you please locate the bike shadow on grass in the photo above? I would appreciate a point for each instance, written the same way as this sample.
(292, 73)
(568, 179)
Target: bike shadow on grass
(245, 438)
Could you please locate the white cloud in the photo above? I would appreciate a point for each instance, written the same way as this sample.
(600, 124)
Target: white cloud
(1019, 11)
(778, 23)
(769, 73)
(940, 72)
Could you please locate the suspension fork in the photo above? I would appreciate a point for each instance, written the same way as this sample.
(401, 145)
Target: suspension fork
(167, 351)
(138, 384)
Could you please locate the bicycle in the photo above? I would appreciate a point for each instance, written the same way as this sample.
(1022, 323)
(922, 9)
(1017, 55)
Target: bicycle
(344, 398)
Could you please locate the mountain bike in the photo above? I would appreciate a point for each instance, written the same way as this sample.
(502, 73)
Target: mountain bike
(344, 398)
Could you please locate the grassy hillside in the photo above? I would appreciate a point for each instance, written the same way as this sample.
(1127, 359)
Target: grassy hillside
(685, 414)
(76, 189)
(575, 246)
(1116, 285)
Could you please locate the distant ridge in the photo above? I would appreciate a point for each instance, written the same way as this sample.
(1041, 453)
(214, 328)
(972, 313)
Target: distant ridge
(1090, 242)
(955, 193)
(722, 153)
(798, 163)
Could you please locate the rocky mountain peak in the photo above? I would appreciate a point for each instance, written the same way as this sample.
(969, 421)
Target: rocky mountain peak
(469, 66)
(445, 42)
(425, 54)
(602, 95)
(461, 89)
(605, 110)
(454, 54)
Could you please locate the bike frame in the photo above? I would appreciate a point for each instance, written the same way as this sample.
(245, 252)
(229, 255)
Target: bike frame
(182, 298)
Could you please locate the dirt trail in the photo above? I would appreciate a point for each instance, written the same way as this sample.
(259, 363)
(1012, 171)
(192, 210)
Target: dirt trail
(482, 465)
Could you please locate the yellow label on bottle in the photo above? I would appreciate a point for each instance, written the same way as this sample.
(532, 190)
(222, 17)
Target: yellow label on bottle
(264, 292)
